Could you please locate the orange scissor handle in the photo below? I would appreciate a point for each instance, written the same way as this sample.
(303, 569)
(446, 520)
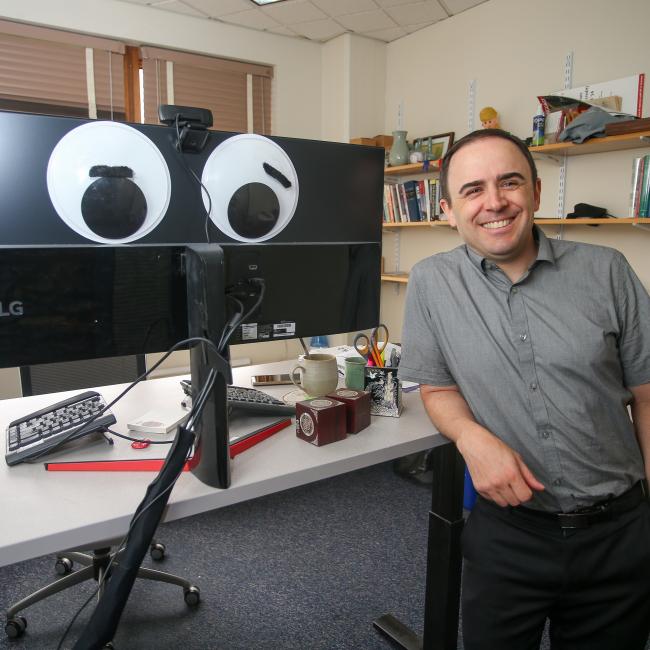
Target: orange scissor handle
(364, 346)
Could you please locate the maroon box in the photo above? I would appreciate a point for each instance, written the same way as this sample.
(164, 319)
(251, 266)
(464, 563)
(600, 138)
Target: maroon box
(320, 420)
(357, 407)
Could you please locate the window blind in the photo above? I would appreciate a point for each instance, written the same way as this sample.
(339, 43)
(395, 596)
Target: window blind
(45, 70)
(219, 85)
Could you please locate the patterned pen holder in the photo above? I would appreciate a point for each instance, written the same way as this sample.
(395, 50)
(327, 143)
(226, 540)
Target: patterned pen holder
(385, 391)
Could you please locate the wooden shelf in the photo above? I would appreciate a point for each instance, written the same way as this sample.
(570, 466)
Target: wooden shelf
(595, 145)
(416, 168)
(595, 222)
(415, 224)
(402, 278)
(542, 222)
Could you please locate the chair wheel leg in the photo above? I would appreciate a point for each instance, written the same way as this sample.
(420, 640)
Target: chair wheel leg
(63, 566)
(157, 551)
(192, 596)
(15, 627)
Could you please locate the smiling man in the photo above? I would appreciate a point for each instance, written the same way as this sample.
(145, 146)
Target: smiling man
(528, 352)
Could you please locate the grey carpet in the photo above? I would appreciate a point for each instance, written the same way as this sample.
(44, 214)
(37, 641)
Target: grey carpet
(305, 569)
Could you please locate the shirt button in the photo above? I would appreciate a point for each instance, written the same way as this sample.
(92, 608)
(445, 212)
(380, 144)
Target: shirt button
(514, 290)
(523, 337)
(545, 434)
(557, 482)
(533, 386)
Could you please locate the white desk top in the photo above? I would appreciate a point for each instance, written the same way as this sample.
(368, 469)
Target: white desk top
(45, 512)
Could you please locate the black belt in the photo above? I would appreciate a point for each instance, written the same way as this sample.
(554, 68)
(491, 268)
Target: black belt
(603, 511)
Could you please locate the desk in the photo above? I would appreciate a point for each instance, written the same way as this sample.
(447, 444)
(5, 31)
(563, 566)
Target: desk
(49, 512)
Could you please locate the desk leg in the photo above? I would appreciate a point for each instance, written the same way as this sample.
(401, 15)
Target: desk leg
(442, 596)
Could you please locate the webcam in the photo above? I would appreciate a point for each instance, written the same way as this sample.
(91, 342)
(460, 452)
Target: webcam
(191, 124)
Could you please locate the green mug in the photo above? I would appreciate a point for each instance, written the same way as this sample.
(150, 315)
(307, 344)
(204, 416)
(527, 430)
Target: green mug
(355, 373)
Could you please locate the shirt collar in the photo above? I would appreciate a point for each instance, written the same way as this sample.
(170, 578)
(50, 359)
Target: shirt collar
(544, 251)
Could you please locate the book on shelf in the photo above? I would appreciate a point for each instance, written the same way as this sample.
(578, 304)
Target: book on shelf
(412, 207)
(636, 187)
(644, 199)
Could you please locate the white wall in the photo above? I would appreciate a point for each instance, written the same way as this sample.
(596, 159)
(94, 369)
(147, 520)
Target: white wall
(515, 50)
(296, 62)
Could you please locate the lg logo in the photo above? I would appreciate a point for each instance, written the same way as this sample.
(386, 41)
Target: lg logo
(14, 308)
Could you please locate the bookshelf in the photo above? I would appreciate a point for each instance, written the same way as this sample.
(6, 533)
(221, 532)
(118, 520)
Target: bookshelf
(595, 145)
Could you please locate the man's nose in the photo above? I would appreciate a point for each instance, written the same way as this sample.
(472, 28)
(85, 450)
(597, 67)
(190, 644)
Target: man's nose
(495, 198)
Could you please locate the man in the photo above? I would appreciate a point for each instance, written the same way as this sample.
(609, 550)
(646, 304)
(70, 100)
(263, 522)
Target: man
(528, 352)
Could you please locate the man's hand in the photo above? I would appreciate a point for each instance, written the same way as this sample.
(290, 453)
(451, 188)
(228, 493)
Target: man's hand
(497, 471)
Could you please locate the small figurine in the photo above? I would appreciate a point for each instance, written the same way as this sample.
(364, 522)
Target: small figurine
(489, 118)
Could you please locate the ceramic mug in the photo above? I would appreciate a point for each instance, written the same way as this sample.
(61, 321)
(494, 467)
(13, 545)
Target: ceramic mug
(355, 373)
(319, 374)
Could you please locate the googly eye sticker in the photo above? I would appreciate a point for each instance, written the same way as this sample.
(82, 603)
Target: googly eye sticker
(108, 182)
(253, 187)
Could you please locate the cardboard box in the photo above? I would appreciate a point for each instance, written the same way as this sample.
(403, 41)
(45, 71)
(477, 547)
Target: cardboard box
(367, 141)
(385, 141)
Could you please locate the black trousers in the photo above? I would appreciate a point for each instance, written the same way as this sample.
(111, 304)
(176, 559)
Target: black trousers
(593, 584)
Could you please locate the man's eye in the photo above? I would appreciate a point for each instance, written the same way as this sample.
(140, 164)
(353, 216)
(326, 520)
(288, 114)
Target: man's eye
(472, 190)
(510, 183)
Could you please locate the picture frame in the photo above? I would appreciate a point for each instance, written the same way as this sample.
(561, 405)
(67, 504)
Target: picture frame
(434, 147)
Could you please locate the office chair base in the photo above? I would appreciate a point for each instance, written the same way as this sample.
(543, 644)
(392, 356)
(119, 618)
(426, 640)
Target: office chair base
(94, 567)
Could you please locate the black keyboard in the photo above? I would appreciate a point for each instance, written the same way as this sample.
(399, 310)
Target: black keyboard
(35, 434)
(247, 400)
(255, 401)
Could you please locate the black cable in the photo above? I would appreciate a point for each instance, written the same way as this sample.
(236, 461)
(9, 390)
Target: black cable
(191, 172)
(196, 408)
(147, 440)
(228, 334)
(62, 441)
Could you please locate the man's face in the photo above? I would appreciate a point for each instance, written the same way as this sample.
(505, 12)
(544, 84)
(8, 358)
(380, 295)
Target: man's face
(493, 199)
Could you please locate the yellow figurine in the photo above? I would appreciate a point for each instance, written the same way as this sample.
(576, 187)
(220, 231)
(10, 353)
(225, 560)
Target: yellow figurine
(489, 118)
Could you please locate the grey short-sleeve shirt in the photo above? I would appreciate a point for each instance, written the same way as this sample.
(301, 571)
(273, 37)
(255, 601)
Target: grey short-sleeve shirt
(543, 363)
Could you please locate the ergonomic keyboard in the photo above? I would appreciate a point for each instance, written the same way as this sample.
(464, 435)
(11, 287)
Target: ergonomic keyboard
(35, 434)
(248, 400)
(255, 401)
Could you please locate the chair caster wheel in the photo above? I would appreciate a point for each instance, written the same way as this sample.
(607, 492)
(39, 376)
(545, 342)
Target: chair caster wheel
(157, 551)
(192, 596)
(15, 627)
(63, 566)
(109, 646)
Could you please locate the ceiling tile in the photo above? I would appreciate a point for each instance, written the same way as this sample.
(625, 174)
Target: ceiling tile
(341, 7)
(319, 30)
(387, 35)
(366, 21)
(294, 11)
(394, 3)
(218, 8)
(417, 27)
(178, 8)
(280, 29)
(253, 18)
(456, 6)
(421, 12)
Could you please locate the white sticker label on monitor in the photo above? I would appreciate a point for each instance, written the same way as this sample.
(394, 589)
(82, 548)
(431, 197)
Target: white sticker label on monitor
(284, 329)
(249, 332)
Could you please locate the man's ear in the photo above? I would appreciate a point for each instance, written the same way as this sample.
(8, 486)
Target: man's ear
(446, 208)
(537, 194)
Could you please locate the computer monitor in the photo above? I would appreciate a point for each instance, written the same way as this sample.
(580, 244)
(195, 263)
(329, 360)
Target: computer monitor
(303, 216)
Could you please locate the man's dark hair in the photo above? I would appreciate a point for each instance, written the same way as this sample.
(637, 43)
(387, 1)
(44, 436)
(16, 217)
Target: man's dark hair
(473, 137)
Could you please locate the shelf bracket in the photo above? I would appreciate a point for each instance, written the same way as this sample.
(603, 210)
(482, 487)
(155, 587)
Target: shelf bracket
(547, 156)
(561, 188)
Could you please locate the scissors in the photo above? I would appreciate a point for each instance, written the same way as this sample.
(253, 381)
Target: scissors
(369, 347)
